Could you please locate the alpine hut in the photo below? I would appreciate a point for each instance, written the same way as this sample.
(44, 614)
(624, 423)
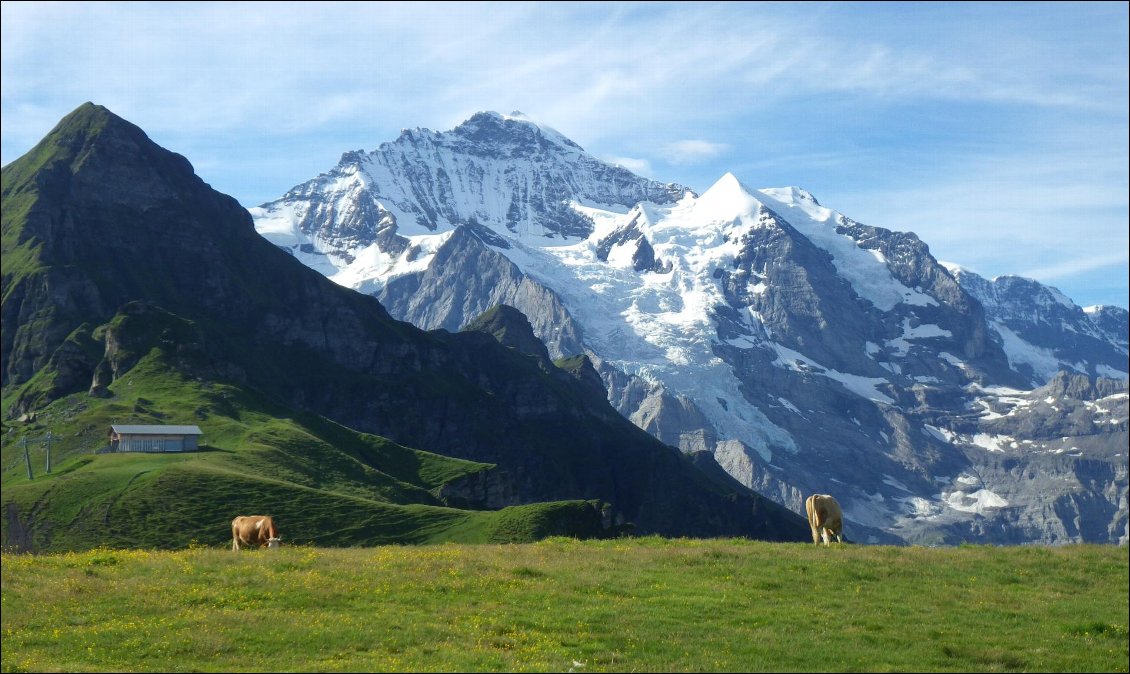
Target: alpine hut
(124, 438)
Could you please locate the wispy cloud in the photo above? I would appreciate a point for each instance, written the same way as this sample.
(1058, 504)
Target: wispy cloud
(638, 166)
(1074, 267)
(653, 61)
(596, 71)
(692, 151)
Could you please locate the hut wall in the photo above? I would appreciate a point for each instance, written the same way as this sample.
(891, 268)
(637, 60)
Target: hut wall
(156, 443)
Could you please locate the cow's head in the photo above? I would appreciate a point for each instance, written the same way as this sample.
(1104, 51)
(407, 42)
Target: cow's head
(274, 542)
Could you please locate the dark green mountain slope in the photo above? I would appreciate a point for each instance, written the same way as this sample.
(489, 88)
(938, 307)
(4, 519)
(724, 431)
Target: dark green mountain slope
(324, 483)
(97, 216)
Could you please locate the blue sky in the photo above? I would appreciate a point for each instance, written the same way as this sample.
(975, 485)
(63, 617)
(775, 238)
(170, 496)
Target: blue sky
(997, 132)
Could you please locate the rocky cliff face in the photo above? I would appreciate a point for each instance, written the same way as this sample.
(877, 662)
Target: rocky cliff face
(806, 351)
(465, 279)
(1043, 332)
(97, 218)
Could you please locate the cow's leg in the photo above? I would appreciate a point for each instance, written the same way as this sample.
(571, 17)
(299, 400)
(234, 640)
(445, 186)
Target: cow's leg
(815, 533)
(824, 535)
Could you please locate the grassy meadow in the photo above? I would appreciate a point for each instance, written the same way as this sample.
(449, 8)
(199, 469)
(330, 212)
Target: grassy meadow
(630, 604)
(324, 483)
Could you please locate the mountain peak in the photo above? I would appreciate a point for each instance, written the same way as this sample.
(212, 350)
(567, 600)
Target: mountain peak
(728, 178)
(953, 268)
(90, 120)
(516, 128)
(511, 328)
(88, 115)
(72, 138)
(93, 145)
(791, 195)
(503, 172)
(727, 198)
(88, 112)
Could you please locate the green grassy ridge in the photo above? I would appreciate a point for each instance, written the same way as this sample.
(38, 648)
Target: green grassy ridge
(155, 391)
(159, 501)
(645, 604)
(325, 483)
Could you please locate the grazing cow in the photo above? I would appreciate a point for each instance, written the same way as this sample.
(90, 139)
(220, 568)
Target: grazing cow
(256, 530)
(825, 518)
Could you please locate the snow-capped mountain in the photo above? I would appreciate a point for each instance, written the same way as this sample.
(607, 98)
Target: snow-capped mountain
(493, 171)
(1043, 331)
(807, 352)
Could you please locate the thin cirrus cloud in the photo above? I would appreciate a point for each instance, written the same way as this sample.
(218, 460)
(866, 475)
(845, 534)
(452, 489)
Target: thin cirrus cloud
(281, 68)
(692, 151)
(638, 166)
(1096, 260)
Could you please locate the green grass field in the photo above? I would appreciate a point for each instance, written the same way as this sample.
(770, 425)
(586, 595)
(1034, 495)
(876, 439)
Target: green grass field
(645, 604)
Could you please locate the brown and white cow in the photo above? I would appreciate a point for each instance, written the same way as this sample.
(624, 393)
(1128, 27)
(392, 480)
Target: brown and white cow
(254, 530)
(825, 518)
